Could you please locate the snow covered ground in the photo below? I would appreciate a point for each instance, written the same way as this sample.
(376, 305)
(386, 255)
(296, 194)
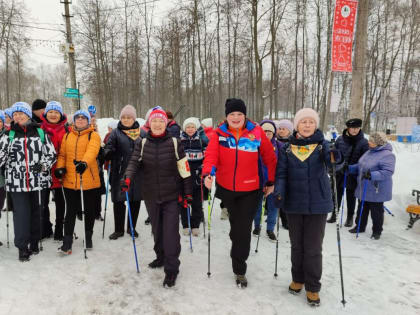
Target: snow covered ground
(381, 277)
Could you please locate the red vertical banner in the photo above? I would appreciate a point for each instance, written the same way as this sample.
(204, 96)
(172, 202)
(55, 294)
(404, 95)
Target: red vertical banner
(343, 29)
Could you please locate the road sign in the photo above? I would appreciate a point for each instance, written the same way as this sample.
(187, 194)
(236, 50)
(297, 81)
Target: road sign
(72, 91)
(71, 95)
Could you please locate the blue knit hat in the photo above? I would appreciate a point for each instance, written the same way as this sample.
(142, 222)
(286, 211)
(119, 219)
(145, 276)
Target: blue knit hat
(22, 107)
(82, 112)
(53, 105)
(2, 117)
(8, 112)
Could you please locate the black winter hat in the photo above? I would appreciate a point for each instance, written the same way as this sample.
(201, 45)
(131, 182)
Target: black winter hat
(38, 104)
(235, 105)
(354, 123)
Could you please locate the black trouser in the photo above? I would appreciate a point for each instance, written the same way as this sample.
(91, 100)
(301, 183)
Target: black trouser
(283, 217)
(74, 205)
(165, 228)
(242, 207)
(350, 197)
(376, 212)
(2, 196)
(306, 234)
(98, 203)
(196, 210)
(60, 210)
(26, 218)
(119, 215)
(46, 224)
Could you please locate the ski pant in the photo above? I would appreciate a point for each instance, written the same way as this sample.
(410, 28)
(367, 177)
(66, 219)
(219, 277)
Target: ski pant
(74, 205)
(376, 212)
(306, 234)
(2, 196)
(196, 211)
(26, 218)
(45, 215)
(119, 215)
(98, 203)
(164, 218)
(270, 210)
(60, 210)
(283, 217)
(350, 198)
(242, 206)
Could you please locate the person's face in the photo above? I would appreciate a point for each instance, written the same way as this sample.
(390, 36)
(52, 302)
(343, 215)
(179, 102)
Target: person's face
(127, 121)
(353, 131)
(190, 130)
(306, 127)
(53, 116)
(236, 120)
(1, 124)
(109, 129)
(283, 132)
(269, 134)
(372, 145)
(20, 118)
(8, 120)
(158, 126)
(38, 112)
(80, 122)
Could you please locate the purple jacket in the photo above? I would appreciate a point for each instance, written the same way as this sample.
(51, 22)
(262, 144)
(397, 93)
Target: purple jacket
(381, 163)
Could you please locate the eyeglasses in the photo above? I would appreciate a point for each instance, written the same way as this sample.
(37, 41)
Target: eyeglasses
(80, 117)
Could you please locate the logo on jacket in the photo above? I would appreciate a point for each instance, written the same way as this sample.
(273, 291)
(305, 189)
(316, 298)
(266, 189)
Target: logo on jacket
(302, 152)
(251, 137)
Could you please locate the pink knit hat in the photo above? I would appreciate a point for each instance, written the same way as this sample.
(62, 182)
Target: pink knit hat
(158, 113)
(128, 110)
(305, 113)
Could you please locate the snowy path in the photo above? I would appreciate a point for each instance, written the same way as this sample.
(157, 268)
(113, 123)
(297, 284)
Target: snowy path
(381, 277)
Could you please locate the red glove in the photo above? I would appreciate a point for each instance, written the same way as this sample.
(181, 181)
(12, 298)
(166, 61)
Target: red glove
(187, 201)
(125, 184)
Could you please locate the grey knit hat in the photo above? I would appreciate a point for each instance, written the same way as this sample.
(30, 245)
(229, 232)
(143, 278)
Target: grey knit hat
(379, 138)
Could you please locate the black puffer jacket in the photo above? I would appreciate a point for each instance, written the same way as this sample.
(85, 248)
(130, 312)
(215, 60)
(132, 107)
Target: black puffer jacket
(122, 146)
(352, 148)
(160, 179)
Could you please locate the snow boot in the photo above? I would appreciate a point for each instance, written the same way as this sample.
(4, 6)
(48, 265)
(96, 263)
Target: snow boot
(156, 264)
(116, 235)
(313, 298)
(256, 231)
(89, 244)
(1, 244)
(375, 236)
(186, 231)
(295, 287)
(271, 236)
(136, 235)
(354, 230)
(99, 217)
(224, 214)
(170, 279)
(24, 255)
(195, 232)
(241, 281)
(332, 218)
(349, 222)
(65, 249)
(33, 248)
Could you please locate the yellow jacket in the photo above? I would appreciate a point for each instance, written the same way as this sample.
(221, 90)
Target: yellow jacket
(77, 146)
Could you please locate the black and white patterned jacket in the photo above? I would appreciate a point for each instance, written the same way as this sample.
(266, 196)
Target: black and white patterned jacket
(20, 156)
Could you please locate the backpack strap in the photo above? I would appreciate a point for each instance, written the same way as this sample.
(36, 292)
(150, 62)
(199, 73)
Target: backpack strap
(41, 134)
(143, 142)
(175, 141)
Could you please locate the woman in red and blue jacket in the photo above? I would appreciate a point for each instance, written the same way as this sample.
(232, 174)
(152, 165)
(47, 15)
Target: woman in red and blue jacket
(237, 149)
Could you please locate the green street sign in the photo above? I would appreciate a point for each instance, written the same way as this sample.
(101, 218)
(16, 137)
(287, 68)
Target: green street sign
(72, 91)
(71, 95)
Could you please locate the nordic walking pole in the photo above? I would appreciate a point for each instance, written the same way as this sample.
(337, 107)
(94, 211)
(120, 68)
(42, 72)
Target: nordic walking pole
(362, 206)
(210, 210)
(106, 200)
(7, 219)
(132, 230)
(334, 164)
(189, 226)
(83, 216)
(41, 248)
(277, 242)
(202, 200)
(342, 199)
(389, 211)
(262, 215)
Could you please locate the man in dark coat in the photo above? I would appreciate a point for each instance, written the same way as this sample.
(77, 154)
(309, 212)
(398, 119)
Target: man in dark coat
(352, 145)
(173, 128)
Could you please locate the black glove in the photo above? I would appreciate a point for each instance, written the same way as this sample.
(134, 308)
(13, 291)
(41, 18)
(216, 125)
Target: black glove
(60, 172)
(367, 175)
(81, 167)
(37, 168)
(345, 167)
(108, 155)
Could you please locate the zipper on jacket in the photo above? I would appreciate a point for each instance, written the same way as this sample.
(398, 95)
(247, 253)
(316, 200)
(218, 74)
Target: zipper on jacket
(26, 161)
(236, 164)
(75, 159)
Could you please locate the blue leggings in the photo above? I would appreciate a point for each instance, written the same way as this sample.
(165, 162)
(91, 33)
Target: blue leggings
(271, 211)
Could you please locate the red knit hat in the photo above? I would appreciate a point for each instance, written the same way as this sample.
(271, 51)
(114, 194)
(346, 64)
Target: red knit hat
(158, 113)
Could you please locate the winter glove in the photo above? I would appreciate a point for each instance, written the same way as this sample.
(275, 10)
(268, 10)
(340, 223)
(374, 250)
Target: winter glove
(345, 167)
(108, 155)
(81, 167)
(60, 172)
(367, 175)
(37, 168)
(125, 185)
(187, 201)
(335, 153)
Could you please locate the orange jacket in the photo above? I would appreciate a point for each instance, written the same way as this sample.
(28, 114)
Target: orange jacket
(87, 151)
